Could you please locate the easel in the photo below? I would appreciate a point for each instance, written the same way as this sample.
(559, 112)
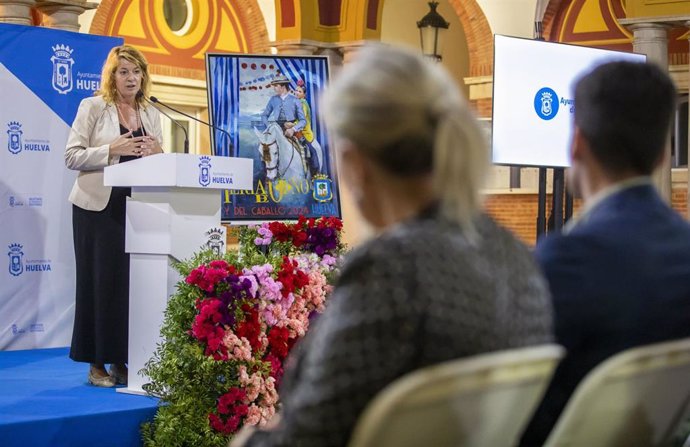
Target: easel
(559, 216)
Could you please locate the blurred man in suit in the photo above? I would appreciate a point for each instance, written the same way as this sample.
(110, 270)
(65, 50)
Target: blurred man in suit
(619, 274)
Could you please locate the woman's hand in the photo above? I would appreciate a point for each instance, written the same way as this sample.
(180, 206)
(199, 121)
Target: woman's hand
(150, 146)
(126, 145)
(137, 146)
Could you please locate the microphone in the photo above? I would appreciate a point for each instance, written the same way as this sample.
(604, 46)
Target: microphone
(212, 126)
(177, 123)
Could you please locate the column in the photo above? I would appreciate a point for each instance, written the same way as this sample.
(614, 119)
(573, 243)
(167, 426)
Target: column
(652, 39)
(309, 48)
(16, 11)
(63, 14)
(349, 50)
(289, 48)
(335, 59)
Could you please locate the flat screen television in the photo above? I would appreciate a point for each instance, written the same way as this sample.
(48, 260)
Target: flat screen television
(533, 99)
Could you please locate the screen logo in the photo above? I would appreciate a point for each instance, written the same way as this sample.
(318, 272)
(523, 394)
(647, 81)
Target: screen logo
(546, 103)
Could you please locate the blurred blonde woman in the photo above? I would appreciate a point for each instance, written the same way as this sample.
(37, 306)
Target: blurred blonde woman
(440, 281)
(115, 126)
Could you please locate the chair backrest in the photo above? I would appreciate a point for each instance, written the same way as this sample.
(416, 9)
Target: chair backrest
(635, 398)
(484, 400)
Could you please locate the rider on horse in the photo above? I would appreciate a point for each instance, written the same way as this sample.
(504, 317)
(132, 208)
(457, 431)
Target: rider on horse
(286, 110)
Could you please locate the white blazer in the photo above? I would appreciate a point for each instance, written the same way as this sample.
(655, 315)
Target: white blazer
(95, 127)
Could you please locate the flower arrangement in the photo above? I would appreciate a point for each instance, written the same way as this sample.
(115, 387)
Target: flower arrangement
(230, 326)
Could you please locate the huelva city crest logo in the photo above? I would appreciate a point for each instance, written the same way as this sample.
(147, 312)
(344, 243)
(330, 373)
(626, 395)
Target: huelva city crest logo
(62, 68)
(14, 137)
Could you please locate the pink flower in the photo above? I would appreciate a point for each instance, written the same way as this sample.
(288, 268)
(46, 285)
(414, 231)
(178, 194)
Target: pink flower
(254, 287)
(238, 348)
(328, 261)
(253, 415)
(269, 393)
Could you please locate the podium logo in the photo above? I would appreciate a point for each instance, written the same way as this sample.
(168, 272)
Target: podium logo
(546, 103)
(204, 171)
(62, 69)
(14, 134)
(16, 259)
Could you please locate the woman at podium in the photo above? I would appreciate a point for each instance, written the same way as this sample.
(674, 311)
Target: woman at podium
(115, 126)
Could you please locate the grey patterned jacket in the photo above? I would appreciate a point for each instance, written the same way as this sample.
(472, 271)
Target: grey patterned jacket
(416, 296)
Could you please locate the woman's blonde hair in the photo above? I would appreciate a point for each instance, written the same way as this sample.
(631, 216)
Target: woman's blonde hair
(108, 89)
(406, 113)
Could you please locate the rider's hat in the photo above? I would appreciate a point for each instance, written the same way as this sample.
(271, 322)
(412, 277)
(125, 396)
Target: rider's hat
(280, 79)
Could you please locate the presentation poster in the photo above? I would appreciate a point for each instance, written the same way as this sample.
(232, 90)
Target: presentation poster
(269, 106)
(533, 102)
(44, 75)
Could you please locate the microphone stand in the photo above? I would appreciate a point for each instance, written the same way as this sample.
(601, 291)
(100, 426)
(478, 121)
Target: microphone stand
(212, 126)
(177, 123)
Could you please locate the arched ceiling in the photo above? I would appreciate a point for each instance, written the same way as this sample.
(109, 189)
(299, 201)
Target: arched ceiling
(595, 23)
(216, 26)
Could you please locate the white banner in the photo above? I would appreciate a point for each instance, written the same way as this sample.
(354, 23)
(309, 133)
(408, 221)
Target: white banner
(44, 74)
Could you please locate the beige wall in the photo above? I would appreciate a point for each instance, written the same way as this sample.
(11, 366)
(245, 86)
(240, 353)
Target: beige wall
(510, 17)
(399, 26)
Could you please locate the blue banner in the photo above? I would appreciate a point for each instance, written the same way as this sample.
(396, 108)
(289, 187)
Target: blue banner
(59, 67)
(293, 174)
(44, 75)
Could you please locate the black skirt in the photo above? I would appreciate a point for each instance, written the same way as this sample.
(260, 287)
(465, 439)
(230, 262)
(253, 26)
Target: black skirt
(102, 291)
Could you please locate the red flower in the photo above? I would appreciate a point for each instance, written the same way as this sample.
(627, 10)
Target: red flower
(205, 328)
(232, 423)
(291, 277)
(222, 265)
(202, 278)
(276, 367)
(207, 277)
(233, 404)
(278, 341)
(280, 231)
(228, 400)
(217, 424)
(241, 410)
(299, 237)
(331, 222)
(250, 328)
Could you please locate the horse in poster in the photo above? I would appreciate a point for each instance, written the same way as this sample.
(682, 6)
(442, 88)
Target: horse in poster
(281, 157)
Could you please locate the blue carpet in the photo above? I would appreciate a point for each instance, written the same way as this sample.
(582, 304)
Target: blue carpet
(45, 400)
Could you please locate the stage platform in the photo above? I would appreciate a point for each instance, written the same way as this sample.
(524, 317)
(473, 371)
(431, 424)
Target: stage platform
(45, 400)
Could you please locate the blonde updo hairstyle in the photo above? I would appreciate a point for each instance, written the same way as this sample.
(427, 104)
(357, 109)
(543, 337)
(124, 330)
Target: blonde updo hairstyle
(406, 113)
(108, 88)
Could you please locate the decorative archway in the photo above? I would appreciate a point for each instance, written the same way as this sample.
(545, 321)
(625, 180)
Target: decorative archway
(480, 40)
(213, 26)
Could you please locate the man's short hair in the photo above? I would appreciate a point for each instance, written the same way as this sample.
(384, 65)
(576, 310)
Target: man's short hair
(624, 111)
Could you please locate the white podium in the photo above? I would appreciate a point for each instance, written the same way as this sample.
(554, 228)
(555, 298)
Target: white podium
(174, 208)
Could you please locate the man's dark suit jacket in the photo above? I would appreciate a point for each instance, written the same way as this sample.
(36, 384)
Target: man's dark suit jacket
(620, 278)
